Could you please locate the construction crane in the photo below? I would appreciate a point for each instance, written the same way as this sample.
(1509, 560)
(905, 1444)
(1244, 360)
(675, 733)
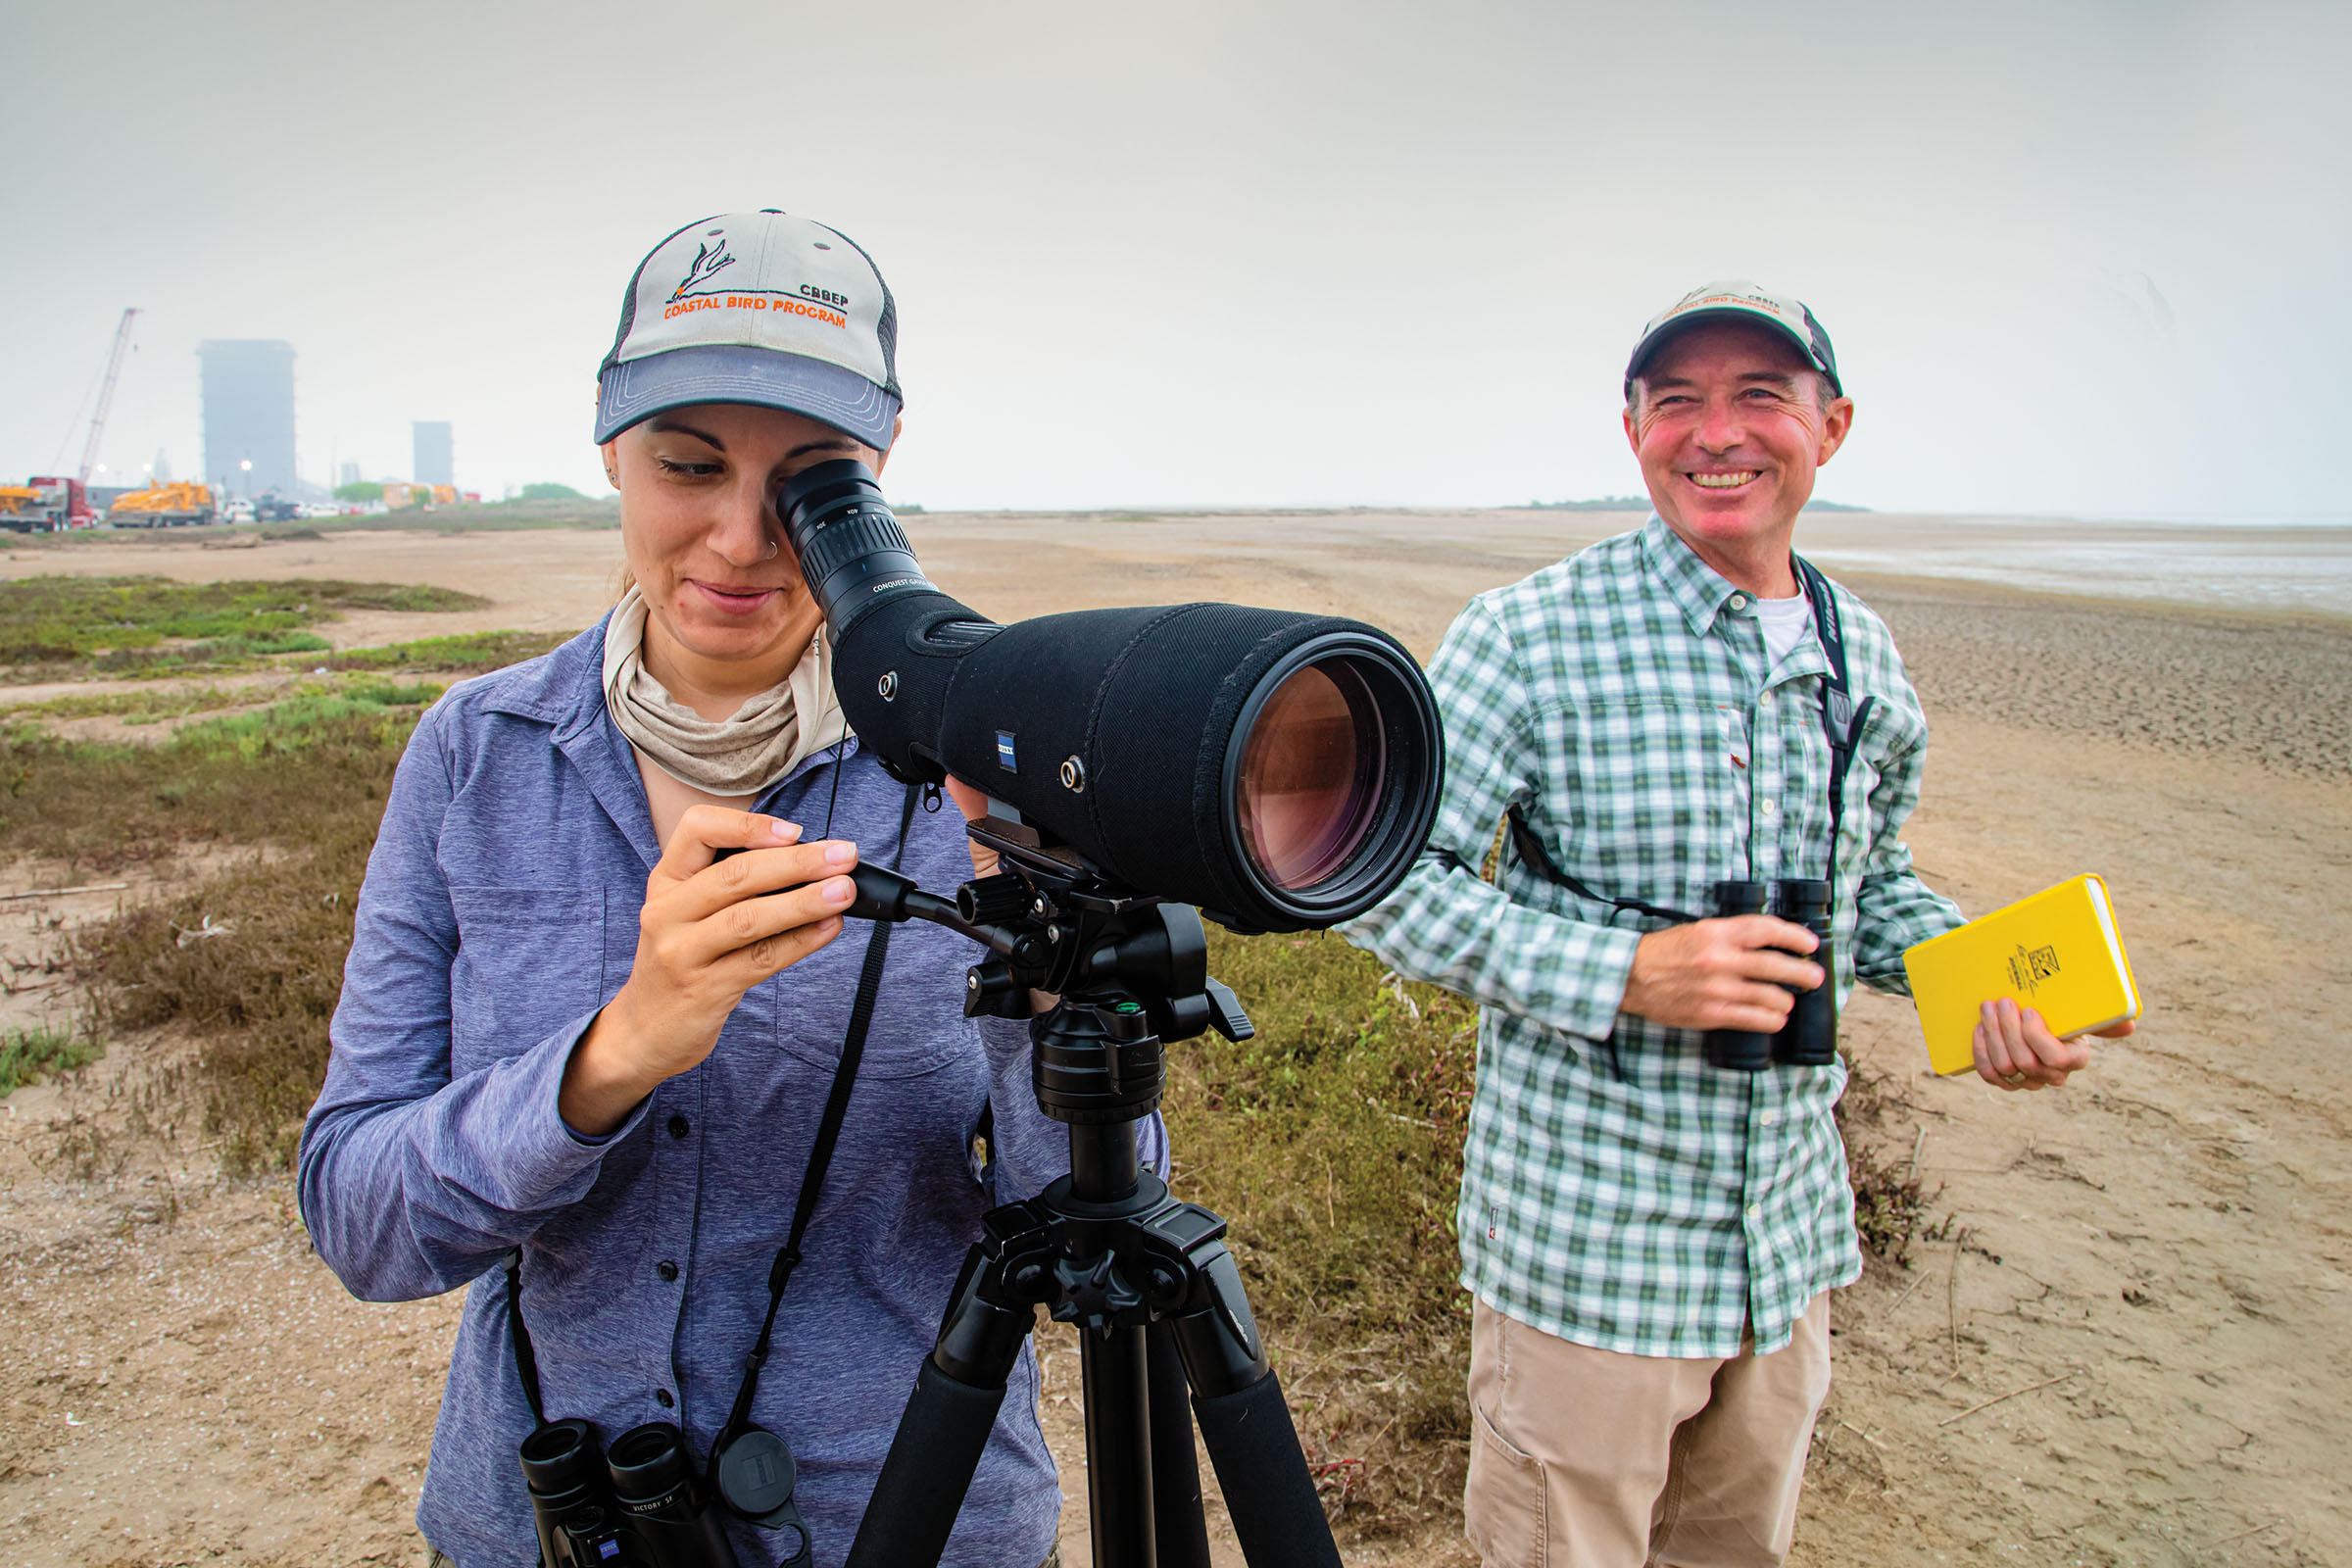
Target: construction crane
(106, 397)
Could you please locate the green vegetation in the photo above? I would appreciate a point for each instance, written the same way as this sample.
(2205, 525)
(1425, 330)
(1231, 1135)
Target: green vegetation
(252, 958)
(548, 491)
(490, 516)
(1333, 1141)
(474, 650)
(469, 653)
(30, 1054)
(360, 492)
(54, 627)
(1601, 504)
(135, 705)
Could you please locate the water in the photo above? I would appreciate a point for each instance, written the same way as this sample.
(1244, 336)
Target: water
(2303, 567)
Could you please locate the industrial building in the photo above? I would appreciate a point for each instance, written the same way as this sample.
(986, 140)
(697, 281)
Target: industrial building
(248, 415)
(434, 452)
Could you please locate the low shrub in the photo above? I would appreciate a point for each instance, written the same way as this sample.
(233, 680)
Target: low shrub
(27, 1055)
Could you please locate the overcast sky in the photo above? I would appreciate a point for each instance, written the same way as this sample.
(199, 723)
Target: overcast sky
(2083, 258)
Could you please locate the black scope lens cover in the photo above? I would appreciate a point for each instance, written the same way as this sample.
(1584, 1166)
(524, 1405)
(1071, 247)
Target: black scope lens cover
(757, 1474)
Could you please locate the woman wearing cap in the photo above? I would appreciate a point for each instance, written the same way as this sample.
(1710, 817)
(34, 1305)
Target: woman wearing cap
(568, 1030)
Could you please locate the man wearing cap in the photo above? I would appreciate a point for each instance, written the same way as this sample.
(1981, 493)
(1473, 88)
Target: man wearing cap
(1651, 1240)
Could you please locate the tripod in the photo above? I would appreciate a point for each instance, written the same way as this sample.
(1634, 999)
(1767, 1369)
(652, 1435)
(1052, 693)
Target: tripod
(1144, 1277)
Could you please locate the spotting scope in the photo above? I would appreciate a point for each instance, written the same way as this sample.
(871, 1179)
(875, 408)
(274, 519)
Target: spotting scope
(1278, 769)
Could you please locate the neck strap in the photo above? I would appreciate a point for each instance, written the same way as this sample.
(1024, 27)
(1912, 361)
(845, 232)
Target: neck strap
(813, 1182)
(1842, 719)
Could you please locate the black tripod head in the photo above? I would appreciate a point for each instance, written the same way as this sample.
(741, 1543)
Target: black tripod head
(1145, 1277)
(1131, 968)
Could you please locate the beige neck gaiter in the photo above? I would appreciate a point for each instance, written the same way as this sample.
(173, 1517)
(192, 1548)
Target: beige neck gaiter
(766, 739)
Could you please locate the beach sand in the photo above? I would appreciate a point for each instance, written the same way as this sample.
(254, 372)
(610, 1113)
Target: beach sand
(2132, 1350)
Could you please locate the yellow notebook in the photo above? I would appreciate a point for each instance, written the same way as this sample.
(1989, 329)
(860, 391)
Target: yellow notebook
(2058, 953)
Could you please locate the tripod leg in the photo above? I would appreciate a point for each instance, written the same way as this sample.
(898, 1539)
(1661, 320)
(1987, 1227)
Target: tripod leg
(1246, 1428)
(945, 1427)
(1176, 1516)
(1118, 1446)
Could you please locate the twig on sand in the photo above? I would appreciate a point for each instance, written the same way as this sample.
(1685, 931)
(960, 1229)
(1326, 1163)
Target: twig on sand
(1864, 1436)
(2011, 1395)
(1951, 1304)
(1915, 1284)
(1917, 1144)
(2244, 1533)
(58, 893)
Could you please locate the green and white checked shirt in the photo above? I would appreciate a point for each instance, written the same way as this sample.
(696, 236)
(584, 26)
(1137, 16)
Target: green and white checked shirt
(1620, 699)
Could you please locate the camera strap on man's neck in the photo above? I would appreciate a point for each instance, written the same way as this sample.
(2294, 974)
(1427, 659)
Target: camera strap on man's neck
(1842, 719)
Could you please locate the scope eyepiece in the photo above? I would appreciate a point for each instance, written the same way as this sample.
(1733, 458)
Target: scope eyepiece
(848, 541)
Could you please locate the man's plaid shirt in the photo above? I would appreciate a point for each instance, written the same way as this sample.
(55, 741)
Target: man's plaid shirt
(1620, 700)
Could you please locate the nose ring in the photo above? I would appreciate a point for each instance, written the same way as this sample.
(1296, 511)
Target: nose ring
(774, 549)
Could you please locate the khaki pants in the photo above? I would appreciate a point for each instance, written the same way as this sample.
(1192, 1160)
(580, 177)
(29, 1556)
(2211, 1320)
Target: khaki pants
(1586, 1458)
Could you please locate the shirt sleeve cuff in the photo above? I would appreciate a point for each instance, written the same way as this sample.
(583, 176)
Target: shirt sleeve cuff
(548, 1093)
(1608, 970)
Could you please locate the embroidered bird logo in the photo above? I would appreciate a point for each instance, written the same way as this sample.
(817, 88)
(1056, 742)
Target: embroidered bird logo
(707, 261)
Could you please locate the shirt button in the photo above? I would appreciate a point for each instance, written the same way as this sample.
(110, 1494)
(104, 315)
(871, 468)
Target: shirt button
(666, 1269)
(662, 1397)
(1772, 1118)
(1764, 700)
(1755, 1211)
(1738, 600)
(677, 1127)
(1768, 805)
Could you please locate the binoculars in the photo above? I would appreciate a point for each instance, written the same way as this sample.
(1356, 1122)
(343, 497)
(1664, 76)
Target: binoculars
(637, 1508)
(1809, 1038)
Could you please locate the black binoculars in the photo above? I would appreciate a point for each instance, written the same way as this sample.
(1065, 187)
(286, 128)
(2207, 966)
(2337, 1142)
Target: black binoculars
(1809, 1038)
(638, 1506)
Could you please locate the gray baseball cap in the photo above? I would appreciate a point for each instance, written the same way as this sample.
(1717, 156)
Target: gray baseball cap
(1737, 298)
(760, 307)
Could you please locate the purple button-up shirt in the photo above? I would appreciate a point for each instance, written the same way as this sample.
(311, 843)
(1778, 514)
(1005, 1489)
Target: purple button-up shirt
(499, 915)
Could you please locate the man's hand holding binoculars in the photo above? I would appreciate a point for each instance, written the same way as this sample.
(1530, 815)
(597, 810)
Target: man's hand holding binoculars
(1735, 973)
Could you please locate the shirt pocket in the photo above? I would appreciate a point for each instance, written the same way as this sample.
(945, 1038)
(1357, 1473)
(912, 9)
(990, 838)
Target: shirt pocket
(529, 960)
(918, 1024)
(1654, 792)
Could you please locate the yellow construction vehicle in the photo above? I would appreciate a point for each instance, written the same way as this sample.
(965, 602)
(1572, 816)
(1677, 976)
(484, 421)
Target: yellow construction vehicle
(398, 495)
(162, 506)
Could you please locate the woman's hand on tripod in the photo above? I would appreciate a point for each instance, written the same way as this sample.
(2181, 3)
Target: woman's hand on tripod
(710, 931)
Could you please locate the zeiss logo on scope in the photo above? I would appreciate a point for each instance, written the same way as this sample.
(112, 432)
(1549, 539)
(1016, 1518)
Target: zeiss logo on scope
(1004, 756)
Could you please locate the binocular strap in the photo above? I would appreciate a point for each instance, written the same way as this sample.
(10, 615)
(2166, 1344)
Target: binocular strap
(764, 1458)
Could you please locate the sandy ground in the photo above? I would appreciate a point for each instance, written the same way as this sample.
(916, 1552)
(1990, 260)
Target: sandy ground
(2133, 1353)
